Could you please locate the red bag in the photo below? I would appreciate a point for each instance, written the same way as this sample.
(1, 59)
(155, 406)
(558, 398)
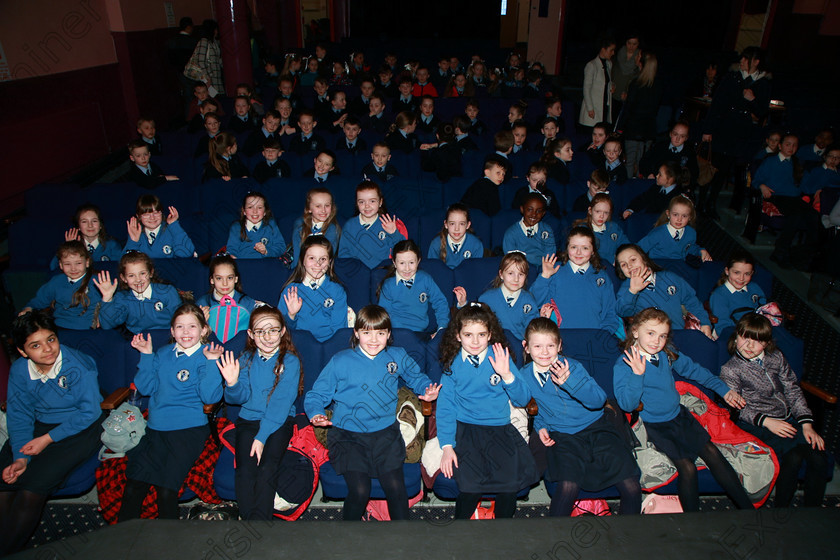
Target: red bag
(598, 507)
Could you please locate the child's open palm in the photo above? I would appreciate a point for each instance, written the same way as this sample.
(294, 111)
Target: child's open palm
(431, 393)
(144, 345)
(293, 302)
(172, 217)
(548, 266)
(560, 371)
(135, 230)
(460, 296)
(213, 351)
(639, 280)
(229, 367)
(104, 284)
(71, 234)
(634, 359)
(389, 223)
(501, 362)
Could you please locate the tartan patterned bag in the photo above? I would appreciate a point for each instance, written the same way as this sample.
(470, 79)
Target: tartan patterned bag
(110, 481)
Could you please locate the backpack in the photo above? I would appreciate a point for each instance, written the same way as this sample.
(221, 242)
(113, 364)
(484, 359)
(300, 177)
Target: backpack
(228, 318)
(122, 431)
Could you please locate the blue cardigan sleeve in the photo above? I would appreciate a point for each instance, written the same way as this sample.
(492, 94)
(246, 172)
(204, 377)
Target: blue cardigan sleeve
(692, 304)
(239, 392)
(584, 388)
(113, 313)
(323, 390)
(439, 304)
(45, 296)
(20, 409)
(446, 413)
(627, 386)
(182, 245)
(146, 380)
(282, 399)
(210, 388)
(517, 390)
(690, 369)
(235, 245)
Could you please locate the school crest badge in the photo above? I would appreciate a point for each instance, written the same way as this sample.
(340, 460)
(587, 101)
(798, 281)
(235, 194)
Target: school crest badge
(672, 290)
(392, 367)
(158, 306)
(167, 250)
(424, 297)
(329, 302)
(495, 379)
(183, 375)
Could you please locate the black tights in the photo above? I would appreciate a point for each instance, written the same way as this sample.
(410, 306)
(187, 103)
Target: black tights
(720, 468)
(358, 494)
(466, 503)
(566, 494)
(134, 495)
(20, 512)
(815, 479)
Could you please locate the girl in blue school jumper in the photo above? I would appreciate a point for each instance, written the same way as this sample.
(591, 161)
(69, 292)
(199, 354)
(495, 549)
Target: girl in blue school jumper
(147, 232)
(644, 375)
(142, 301)
(646, 285)
(224, 282)
(530, 235)
(265, 380)
(456, 241)
(70, 294)
(579, 286)
(313, 300)
(364, 437)
(736, 294)
(674, 236)
(583, 446)
(407, 293)
(319, 218)
(513, 305)
(823, 176)
(53, 421)
(180, 378)
(473, 414)
(370, 235)
(608, 234)
(89, 229)
(255, 235)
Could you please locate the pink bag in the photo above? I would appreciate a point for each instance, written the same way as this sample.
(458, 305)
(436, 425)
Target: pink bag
(599, 508)
(658, 503)
(772, 312)
(378, 509)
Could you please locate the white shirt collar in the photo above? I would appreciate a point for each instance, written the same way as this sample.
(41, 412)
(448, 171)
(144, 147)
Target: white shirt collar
(678, 149)
(575, 267)
(732, 289)
(366, 355)
(524, 228)
(72, 281)
(364, 223)
(53, 372)
(307, 281)
(188, 351)
(249, 226)
(451, 241)
(759, 357)
(400, 278)
(645, 354)
(672, 230)
(480, 356)
(94, 243)
(149, 233)
(268, 356)
(218, 297)
(599, 229)
(652, 278)
(507, 293)
(145, 294)
(781, 157)
(817, 150)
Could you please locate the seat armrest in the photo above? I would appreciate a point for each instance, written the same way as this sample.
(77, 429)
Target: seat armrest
(819, 393)
(115, 399)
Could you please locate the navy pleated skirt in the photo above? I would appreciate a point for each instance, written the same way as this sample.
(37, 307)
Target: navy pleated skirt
(373, 453)
(165, 458)
(680, 438)
(492, 459)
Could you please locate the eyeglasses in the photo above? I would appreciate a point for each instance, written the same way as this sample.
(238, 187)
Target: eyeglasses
(267, 333)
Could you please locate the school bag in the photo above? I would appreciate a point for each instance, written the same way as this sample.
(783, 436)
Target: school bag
(228, 318)
(299, 470)
(121, 431)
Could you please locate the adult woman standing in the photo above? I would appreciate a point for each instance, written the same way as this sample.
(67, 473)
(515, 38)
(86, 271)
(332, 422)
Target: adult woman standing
(625, 69)
(598, 87)
(640, 108)
(738, 108)
(205, 65)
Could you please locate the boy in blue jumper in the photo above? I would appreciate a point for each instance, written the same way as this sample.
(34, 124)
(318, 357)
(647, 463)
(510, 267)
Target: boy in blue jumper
(530, 235)
(74, 302)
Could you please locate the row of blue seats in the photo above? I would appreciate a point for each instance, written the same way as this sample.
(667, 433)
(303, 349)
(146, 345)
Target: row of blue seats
(207, 211)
